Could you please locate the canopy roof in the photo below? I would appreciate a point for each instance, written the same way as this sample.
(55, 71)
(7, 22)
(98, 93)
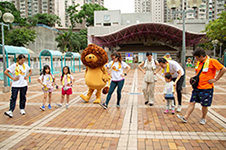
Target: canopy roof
(46, 52)
(11, 50)
(164, 32)
(69, 54)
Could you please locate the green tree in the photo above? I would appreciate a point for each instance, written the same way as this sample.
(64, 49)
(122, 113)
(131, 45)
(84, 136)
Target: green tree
(20, 36)
(217, 29)
(46, 19)
(87, 13)
(64, 40)
(9, 7)
(83, 38)
(72, 41)
(16, 36)
(73, 15)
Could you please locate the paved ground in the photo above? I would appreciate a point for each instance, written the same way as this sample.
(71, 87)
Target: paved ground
(133, 126)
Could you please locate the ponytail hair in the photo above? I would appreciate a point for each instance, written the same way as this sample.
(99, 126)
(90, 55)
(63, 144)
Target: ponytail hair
(117, 55)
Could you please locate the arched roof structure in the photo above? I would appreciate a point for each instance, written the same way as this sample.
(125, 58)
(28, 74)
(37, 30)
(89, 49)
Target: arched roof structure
(164, 32)
(73, 56)
(51, 54)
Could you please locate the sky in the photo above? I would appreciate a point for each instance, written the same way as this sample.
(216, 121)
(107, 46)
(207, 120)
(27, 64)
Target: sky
(126, 6)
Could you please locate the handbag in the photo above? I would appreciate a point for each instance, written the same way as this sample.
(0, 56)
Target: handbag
(194, 81)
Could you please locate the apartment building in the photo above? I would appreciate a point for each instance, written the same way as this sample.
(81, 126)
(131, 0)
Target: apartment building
(58, 7)
(100, 2)
(155, 7)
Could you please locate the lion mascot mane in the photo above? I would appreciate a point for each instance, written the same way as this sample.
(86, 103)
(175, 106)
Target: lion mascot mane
(96, 76)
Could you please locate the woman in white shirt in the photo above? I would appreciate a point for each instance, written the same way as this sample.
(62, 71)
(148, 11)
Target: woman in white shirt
(19, 71)
(149, 78)
(119, 70)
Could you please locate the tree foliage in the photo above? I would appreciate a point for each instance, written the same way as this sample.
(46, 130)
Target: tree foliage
(87, 13)
(9, 7)
(217, 29)
(73, 15)
(72, 41)
(16, 36)
(20, 36)
(46, 19)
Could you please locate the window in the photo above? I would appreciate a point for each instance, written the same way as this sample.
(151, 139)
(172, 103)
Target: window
(107, 24)
(106, 17)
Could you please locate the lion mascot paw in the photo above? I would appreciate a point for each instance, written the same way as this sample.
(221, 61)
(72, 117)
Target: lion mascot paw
(96, 76)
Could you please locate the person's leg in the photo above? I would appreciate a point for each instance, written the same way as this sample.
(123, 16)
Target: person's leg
(206, 101)
(151, 91)
(167, 107)
(204, 112)
(111, 90)
(119, 90)
(50, 98)
(179, 90)
(190, 109)
(67, 104)
(23, 92)
(62, 99)
(14, 93)
(68, 98)
(167, 104)
(145, 91)
(45, 97)
(172, 104)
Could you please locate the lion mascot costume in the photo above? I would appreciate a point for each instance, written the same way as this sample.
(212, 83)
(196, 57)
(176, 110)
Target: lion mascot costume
(96, 76)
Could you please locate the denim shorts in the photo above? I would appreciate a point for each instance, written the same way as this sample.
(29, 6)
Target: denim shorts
(169, 96)
(202, 96)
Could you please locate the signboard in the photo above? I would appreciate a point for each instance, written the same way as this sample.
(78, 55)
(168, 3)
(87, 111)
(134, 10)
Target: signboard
(129, 58)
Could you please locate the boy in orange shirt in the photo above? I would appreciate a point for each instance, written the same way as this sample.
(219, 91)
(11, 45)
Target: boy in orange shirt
(204, 92)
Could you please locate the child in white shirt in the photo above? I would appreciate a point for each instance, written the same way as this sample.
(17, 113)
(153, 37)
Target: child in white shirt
(47, 80)
(169, 93)
(67, 81)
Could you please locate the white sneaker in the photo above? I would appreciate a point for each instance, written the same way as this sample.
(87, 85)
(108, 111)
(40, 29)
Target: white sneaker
(202, 121)
(9, 114)
(22, 112)
(59, 105)
(179, 108)
(67, 106)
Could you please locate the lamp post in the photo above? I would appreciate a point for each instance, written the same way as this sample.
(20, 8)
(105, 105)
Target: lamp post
(8, 18)
(173, 4)
(214, 42)
(221, 44)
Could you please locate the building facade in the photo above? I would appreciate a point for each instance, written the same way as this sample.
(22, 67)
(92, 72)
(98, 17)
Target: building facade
(155, 7)
(31, 7)
(208, 10)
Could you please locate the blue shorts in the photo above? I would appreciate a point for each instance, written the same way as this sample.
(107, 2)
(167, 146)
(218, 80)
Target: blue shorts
(202, 96)
(169, 96)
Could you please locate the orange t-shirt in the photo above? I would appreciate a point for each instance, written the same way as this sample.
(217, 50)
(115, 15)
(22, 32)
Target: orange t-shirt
(214, 65)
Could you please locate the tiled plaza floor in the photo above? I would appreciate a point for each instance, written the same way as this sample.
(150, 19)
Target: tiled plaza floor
(132, 126)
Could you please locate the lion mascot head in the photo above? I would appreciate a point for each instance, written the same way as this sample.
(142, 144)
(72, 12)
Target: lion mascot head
(94, 56)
